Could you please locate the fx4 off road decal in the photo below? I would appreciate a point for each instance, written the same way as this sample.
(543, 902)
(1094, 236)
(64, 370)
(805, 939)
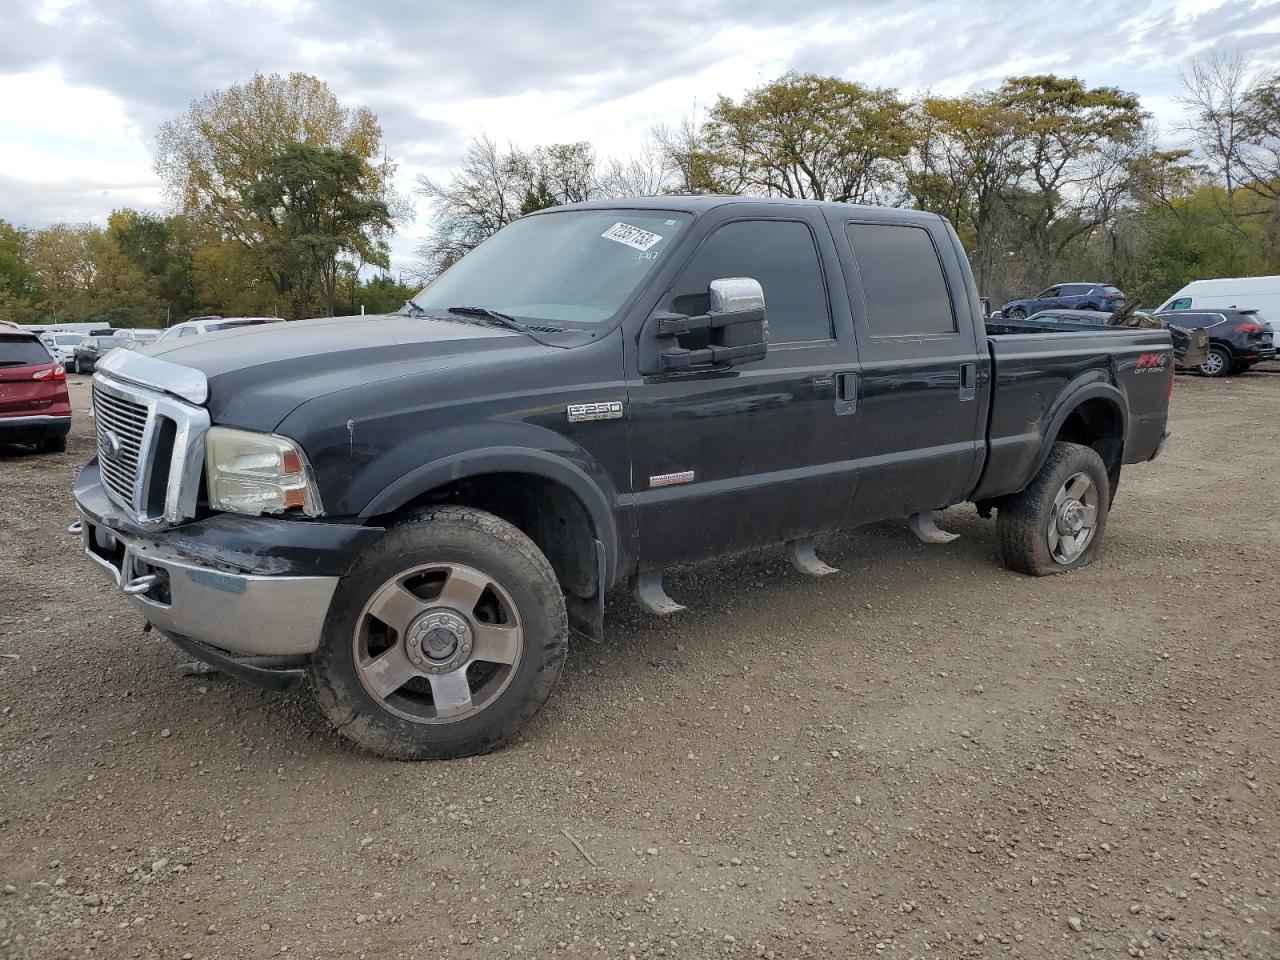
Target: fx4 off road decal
(1151, 362)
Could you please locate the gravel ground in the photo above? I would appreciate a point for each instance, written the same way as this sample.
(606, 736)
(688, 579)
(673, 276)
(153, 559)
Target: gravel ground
(926, 756)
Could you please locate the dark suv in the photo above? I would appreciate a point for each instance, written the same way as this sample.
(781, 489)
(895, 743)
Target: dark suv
(1237, 338)
(92, 349)
(1067, 296)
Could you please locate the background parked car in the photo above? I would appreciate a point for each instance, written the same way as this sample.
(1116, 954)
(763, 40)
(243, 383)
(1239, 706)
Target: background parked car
(1236, 293)
(1067, 296)
(92, 349)
(201, 325)
(1237, 338)
(62, 345)
(34, 405)
(141, 335)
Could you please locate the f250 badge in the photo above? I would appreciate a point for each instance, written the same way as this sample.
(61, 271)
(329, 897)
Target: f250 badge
(582, 412)
(1151, 362)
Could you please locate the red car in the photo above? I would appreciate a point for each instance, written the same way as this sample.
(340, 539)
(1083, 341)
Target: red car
(34, 404)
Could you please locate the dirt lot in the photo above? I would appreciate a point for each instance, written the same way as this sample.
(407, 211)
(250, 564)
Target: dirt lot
(926, 756)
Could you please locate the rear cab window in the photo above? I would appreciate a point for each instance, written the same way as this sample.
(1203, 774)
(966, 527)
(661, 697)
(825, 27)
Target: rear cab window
(22, 352)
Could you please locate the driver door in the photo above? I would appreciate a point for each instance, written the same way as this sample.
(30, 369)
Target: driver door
(762, 452)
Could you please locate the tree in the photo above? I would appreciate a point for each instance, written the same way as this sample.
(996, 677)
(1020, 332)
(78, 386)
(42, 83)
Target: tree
(808, 136)
(318, 204)
(21, 292)
(495, 186)
(1074, 145)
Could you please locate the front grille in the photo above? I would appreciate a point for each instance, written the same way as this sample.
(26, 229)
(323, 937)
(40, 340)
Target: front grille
(121, 425)
(150, 450)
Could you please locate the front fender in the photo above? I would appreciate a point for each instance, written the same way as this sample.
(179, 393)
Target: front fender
(506, 459)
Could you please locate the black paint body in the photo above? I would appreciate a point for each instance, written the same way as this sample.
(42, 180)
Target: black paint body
(816, 436)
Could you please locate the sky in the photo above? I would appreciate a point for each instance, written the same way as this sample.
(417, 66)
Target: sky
(84, 84)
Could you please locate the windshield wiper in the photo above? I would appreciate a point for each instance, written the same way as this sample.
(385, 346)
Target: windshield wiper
(503, 318)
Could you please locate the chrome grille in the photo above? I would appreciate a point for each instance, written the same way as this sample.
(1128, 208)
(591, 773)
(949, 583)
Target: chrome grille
(150, 447)
(120, 426)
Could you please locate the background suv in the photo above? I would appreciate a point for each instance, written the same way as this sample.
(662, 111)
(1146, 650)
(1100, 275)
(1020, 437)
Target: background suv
(1067, 296)
(34, 405)
(1237, 338)
(200, 325)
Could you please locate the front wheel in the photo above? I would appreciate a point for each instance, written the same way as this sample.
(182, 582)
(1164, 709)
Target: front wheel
(75, 365)
(1217, 364)
(1017, 313)
(1056, 523)
(445, 638)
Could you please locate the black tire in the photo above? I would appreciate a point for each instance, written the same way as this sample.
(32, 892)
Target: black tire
(1018, 313)
(444, 535)
(53, 444)
(75, 365)
(1219, 362)
(1025, 518)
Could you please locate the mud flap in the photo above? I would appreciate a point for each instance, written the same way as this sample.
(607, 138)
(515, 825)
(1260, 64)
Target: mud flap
(651, 597)
(586, 616)
(804, 557)
(927, 531)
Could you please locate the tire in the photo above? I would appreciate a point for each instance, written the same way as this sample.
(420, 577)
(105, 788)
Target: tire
(1018, 313)
(367, 701)
(75, 365)
(1218, 364)
(1031, 523)
(53, 444)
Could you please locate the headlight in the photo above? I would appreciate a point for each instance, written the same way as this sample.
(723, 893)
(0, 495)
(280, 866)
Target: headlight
(258, 473)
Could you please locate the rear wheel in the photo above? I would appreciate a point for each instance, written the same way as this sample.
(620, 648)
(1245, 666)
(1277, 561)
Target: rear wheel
(1018, 313)
(1218, 363)
(446, 637)
(53, 444)
(1055, 524)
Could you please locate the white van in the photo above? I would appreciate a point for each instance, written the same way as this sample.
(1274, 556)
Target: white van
(1244, 293)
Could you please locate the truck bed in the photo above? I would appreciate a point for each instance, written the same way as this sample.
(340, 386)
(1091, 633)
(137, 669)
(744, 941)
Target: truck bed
(1034, 375)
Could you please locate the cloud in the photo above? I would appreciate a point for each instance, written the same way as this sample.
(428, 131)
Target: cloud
(85, 83)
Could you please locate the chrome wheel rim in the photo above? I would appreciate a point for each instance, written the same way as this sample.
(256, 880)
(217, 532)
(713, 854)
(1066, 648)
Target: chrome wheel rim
(1213, 364)
(438, 643)
(1074, 518)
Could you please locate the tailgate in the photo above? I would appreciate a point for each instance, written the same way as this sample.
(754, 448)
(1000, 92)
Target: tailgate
(21, 393)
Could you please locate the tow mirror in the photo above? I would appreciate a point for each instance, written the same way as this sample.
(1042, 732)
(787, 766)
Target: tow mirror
(733, 330)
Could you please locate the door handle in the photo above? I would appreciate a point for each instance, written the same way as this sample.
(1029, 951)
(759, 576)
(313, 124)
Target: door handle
(968, 381)
(846, 393)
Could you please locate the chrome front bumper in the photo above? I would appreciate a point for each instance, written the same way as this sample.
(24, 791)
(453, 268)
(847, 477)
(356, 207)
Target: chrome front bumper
(242, 614)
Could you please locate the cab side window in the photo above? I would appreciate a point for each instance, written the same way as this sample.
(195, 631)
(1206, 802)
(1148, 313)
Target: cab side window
(902, 281)
(1182, 303)
(782, 256)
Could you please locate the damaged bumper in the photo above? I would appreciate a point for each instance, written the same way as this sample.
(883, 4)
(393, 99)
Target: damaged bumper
(244, 586)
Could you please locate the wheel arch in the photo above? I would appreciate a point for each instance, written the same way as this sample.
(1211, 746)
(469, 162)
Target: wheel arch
(1093, 416)
(555, 502)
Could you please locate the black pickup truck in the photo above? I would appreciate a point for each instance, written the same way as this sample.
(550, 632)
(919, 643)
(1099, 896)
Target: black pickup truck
(416, 510)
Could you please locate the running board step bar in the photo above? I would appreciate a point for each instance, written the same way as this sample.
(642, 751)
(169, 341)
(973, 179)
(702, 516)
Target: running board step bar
(927, 531)
(650, 595)
(804, 557)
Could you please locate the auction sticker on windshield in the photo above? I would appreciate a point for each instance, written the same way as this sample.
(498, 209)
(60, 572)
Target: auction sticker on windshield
(631, 236)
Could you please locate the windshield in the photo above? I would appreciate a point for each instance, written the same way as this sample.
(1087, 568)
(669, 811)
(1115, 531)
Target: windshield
(575, 267)
(68, 341)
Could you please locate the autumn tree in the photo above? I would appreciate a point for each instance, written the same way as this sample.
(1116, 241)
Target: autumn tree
(21, 291)
(319, 205)
(808, 136)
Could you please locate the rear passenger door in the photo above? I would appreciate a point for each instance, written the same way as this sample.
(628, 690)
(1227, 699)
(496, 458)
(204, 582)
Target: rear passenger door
(920, 427)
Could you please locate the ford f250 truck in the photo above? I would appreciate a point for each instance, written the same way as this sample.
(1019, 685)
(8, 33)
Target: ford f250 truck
(416, 510)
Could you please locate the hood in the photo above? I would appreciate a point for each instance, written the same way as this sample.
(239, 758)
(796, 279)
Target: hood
(257, 375)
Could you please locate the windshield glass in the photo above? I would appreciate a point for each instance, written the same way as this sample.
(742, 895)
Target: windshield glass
(68, 340)
(577, 267)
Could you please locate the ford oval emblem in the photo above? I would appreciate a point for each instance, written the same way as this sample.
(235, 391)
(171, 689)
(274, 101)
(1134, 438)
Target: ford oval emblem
(110, 444)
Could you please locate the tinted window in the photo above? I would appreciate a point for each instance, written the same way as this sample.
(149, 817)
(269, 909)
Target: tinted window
(902, 281)
(781, 255)
(1075, 289)
(22, 351)
(1190, 321)
(1115, 291)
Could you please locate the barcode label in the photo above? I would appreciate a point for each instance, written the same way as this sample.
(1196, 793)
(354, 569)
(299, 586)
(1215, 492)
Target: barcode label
(631, 236)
